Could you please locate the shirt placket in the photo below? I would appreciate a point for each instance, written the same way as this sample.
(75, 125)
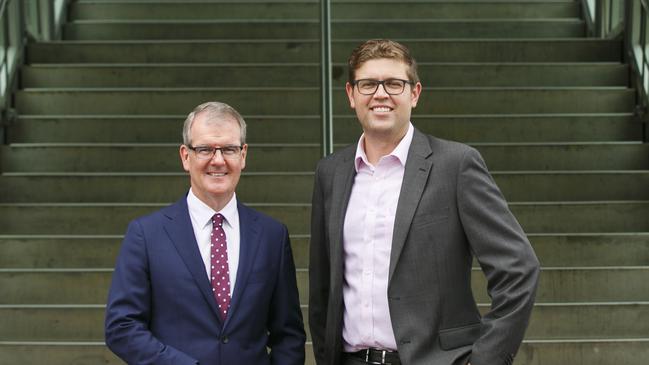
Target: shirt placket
(369, 239)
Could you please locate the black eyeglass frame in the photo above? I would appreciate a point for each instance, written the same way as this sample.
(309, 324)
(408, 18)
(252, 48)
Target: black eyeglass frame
(382, 83)
(214, 149)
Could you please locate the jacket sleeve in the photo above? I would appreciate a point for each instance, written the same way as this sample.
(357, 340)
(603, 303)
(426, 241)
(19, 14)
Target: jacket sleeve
(128, 311)
(318, 271)
(506, 258)
(286, 329)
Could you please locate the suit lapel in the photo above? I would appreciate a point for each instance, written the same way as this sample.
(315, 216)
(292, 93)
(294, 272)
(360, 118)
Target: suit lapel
(343, 180)
(250, 231)
(180, 231)
(418, 167)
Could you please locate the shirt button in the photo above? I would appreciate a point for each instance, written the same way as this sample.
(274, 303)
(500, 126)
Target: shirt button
(225, 339)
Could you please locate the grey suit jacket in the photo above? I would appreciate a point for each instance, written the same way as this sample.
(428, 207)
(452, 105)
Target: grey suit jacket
(449, 211)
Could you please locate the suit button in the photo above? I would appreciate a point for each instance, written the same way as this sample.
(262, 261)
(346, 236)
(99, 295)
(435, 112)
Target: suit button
(225, 339)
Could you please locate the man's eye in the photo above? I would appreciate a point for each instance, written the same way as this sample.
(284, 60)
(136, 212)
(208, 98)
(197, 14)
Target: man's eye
(229, 150)
(393, 83)
(203, 150)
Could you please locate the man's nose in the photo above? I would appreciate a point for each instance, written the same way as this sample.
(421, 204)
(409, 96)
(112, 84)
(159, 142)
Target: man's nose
(217, 158)
(380, 92)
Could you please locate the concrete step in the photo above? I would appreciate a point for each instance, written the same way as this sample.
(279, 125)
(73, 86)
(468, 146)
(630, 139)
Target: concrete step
(277, 187)
(595, 216)
(111, 219)
(303, 157)
(565, 156)
(167, 128)
(148, 158)
(550, 322)
(307, 74)
(89, 286)
(512, 128)
(581, 285)
(193, 10)
(176, 10)
(274, 101)
(554, 250)
(287, 129)
(93, 30)
(90, 251)
(602, 351)
(584, 250)
(307, 50)
(58, 353)
(110, 188)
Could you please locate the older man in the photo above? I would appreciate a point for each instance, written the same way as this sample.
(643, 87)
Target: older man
(207, 280)
(396, 221)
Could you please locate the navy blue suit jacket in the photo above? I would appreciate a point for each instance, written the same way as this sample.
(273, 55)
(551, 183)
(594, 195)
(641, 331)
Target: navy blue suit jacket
(161, 309)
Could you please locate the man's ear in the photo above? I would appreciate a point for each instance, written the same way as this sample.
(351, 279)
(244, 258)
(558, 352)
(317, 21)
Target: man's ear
(349, 88)
(184, 156)
(244, 153)
(415, 93)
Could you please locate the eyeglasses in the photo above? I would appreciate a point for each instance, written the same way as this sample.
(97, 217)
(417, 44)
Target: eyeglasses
(208, 152)
(391, 86)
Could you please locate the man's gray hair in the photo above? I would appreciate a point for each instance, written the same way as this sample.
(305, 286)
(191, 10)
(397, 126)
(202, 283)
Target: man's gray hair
(216, 111)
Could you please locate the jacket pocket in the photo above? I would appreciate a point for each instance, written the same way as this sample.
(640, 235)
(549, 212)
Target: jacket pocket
(424, 220)
(459, 336)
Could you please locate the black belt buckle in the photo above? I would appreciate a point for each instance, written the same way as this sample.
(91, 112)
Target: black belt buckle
(367, 357)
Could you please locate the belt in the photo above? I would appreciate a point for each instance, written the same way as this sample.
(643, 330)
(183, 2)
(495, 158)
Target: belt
(376, 356)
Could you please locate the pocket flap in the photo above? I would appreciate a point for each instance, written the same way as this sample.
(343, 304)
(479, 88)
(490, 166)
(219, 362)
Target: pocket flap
(459, 336)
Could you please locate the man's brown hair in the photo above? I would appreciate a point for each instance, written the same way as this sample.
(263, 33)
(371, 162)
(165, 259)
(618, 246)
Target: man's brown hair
(381, 48)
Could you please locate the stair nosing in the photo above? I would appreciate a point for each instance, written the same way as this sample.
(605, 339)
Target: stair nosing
(314, 64)
(30, 90)
(315, 116)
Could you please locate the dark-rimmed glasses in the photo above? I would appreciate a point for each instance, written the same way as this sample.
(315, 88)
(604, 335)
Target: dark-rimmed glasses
(391, 86)
(208, 152)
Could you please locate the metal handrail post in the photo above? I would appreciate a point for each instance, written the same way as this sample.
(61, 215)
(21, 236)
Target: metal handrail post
(12, 58)
(325, 77)
(15, 36)
(4, 22)
(599, 19)
(643, 66)
(47, 20)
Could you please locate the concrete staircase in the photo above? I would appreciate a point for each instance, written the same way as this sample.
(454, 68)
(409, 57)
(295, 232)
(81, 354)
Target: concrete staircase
(99, 123)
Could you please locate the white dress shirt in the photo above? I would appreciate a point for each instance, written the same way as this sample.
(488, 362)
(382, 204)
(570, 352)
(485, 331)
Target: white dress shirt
(201, 217)
(367, 243)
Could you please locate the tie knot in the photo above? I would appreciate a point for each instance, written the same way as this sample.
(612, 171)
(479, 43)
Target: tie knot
(217, 219)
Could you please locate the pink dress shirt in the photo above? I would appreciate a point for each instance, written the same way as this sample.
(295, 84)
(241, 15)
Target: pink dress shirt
(367, 243)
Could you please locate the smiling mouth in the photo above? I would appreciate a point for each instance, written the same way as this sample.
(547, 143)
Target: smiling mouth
(381, 109)
(217, 174)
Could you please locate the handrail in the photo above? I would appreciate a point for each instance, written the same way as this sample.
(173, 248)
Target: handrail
(325, 77)
(628, 17)
(38, 19)
(636, 16)
(11, 26)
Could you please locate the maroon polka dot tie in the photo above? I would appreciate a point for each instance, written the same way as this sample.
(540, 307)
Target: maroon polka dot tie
(220, 273)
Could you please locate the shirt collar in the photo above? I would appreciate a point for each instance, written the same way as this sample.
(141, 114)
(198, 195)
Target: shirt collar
(400, 152)
(202, 213)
